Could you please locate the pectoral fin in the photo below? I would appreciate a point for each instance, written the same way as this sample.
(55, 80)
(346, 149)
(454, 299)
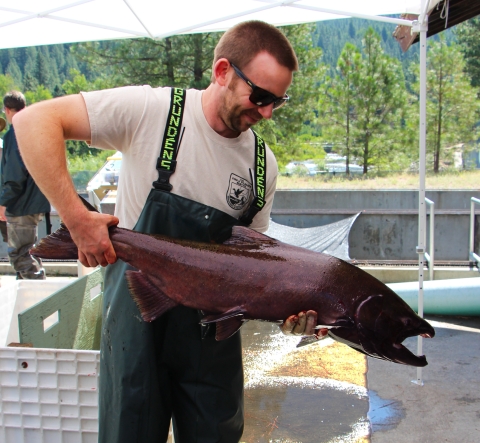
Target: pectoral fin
(151, 301)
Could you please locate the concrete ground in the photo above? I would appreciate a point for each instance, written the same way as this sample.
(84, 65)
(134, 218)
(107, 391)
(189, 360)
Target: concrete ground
(447, 407)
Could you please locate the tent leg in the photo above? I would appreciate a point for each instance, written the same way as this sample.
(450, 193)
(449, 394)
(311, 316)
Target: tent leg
(422, 212)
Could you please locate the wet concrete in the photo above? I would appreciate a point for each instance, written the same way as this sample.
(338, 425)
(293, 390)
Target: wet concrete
(384, 414)
(296, 408)
(446, 408)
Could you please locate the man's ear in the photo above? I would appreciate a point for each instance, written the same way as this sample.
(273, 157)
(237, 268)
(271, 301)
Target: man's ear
(220, 71)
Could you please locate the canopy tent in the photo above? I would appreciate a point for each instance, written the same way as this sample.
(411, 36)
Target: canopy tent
(445, 15)
(34, 22)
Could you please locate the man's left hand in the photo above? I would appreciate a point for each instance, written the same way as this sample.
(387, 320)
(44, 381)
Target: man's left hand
(302, 324)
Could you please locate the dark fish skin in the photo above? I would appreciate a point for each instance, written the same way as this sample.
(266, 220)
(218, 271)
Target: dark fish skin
(252, 276)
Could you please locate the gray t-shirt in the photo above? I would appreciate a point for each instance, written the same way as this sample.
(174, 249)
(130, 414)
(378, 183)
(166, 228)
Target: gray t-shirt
(211, 169)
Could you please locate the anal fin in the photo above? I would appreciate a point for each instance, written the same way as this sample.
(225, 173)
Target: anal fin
(151, 301)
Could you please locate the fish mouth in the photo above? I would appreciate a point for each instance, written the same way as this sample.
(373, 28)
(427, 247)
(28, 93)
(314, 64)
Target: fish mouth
(425, 330)
(401, 354)
(391, 349)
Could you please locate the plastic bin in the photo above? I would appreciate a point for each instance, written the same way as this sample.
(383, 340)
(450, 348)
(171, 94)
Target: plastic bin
(19, 296)
(48, 394)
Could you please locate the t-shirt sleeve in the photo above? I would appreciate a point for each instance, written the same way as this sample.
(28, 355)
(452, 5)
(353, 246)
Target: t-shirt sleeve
(114, 115)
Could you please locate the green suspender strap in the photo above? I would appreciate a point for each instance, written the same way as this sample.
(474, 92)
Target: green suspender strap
(258, 181)
(167, 161)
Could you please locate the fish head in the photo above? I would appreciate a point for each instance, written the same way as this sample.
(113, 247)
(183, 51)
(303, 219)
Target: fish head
(382, 323)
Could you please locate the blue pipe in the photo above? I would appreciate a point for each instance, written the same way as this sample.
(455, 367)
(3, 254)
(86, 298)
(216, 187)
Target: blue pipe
(460, 296)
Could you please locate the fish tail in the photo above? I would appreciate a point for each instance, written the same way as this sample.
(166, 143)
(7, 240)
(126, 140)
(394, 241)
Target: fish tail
(57, 246)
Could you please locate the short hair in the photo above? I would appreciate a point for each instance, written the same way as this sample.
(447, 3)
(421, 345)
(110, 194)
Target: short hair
(14, 100)
(241, 43)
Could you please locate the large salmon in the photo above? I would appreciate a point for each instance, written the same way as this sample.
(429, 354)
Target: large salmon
(254, 277)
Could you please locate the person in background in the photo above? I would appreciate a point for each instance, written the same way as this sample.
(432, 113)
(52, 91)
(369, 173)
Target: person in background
(191, 168)
(22, 204)
(3, 223)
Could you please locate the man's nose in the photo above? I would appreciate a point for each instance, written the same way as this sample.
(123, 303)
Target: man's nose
(266, 111)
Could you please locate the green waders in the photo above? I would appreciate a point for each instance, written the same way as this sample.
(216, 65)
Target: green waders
(172, 367)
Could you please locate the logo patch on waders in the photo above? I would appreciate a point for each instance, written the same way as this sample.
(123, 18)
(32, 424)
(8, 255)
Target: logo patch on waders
(238, 194)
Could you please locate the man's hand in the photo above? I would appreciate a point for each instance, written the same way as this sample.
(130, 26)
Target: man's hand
(90, 234)
(2, 213)
(303, 324)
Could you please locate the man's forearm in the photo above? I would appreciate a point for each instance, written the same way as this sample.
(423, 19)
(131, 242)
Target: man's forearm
(41, 131)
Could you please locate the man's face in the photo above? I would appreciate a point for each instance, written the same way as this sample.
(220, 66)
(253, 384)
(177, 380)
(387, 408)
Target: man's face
(237, 112)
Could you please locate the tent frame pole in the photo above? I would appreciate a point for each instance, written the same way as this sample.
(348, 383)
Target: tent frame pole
(422, 28)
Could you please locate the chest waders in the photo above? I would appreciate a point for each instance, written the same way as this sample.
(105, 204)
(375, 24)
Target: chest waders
(172, 368)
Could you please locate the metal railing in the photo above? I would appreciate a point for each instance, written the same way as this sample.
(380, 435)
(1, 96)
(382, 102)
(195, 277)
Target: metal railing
(430, 256)
(474, 258)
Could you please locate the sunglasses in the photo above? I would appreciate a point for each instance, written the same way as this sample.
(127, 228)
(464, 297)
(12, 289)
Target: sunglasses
(259, 96)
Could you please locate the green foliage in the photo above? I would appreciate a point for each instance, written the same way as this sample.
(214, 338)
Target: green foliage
(83, 167)
(452, 104)
(468, 35)
(332, 35)
(79, 82)
(7, 83)
(37, 95)
(336, 105)
(183, 60)
(88, 162)
(361, 107)
(281, 133)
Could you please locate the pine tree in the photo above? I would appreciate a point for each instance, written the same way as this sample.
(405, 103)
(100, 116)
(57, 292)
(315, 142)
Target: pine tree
(336, 105)
(362, 105)
(183, 60)
(380, 100)
(452, 104)
(468, 34)
(13, 70)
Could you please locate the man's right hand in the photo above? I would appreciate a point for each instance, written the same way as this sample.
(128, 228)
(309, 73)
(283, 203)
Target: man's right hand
(90, 234)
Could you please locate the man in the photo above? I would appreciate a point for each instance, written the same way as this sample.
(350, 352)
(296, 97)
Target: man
(22, 205)
(3, 223)
(197, 150)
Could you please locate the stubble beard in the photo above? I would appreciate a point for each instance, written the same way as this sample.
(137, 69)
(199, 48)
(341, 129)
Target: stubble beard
(231, 113)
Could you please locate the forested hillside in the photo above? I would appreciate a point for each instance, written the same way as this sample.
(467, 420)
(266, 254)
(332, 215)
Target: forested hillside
(51, 65)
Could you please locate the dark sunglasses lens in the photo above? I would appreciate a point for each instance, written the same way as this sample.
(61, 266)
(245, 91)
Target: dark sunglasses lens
(261, 97)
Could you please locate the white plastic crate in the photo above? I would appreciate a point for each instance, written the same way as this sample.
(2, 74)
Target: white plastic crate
(18, 296)
(46, 395)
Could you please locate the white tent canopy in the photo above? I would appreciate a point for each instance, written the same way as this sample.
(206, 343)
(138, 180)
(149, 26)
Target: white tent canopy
(41, 22)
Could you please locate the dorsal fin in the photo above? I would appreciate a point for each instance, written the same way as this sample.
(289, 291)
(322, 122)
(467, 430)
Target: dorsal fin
(242, 236)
